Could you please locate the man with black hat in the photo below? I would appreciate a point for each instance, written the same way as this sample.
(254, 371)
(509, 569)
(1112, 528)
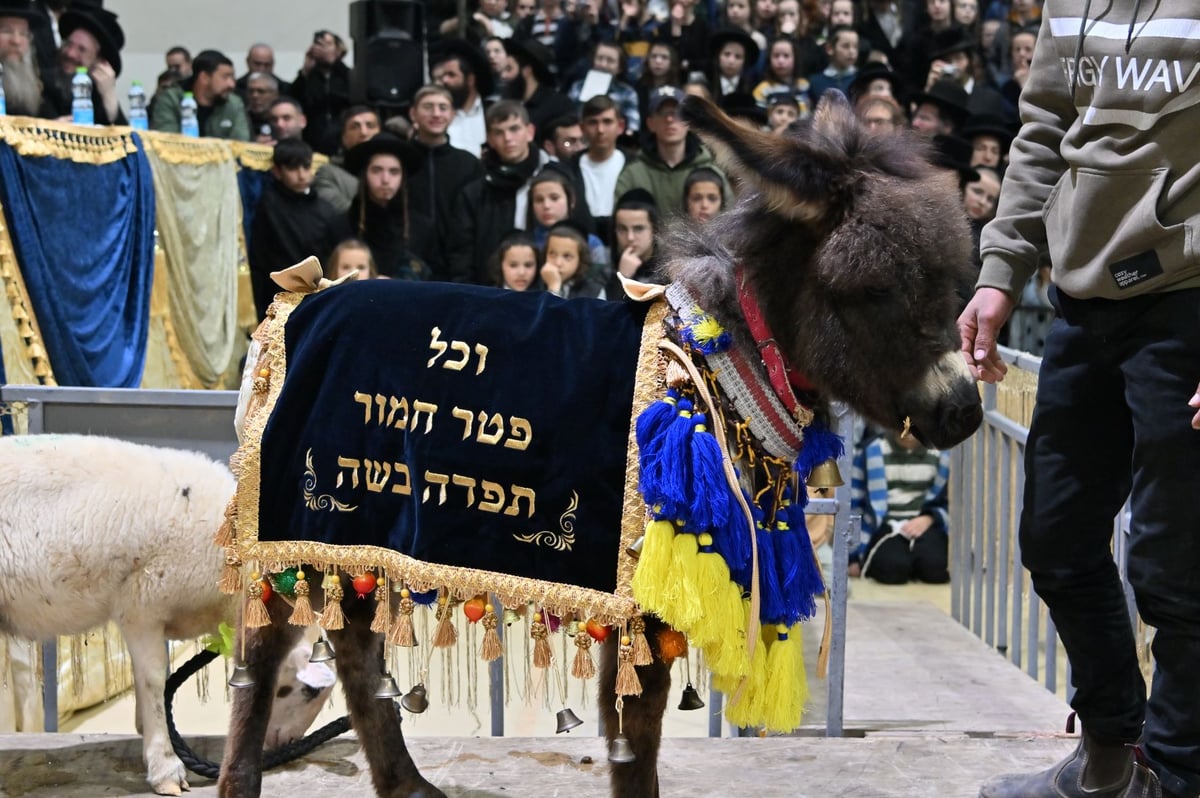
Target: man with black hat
(941, 109)
(323, 88)
(333, 183)
(953, 57)
(219, 111)
(990, 136)
(534, 83)
(463, 69)
(402, 238)
(91, 38)
(22, 88)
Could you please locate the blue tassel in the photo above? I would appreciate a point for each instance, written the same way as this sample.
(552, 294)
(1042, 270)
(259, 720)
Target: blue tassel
(651, 428)
(771, 605)
(820, 444)
(675, 466)
(798, 604)
(426, 599)
(732, 541)
(809, 584)
(710, 506)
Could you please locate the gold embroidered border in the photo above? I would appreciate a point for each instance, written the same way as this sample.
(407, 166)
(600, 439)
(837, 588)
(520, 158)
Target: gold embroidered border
(176, 148)
(22, 308)
(39, 138)
(560, 599)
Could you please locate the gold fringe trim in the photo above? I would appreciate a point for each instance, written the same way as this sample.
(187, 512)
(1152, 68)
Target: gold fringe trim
(490, 649)
(628, 682)
(641, 647)
(255, 156)
(584, 667)
(401, 631)
(42, 138)
(380, 622)
(561, 599)
(231, 578)
(175, 148)
(160, 306)
(256, 610)
(332, 617)
(302, 611)
(541, 642)
(22, 308)
(446, 635)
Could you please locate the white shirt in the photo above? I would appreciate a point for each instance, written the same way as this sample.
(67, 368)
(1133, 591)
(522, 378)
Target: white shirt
(468, 130)
(600, 181)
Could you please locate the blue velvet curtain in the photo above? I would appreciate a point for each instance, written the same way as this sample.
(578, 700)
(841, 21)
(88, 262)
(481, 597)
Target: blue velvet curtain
(251, 183)
(84, 238)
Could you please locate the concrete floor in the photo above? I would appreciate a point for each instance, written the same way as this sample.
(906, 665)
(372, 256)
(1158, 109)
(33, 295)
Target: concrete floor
(929, 711)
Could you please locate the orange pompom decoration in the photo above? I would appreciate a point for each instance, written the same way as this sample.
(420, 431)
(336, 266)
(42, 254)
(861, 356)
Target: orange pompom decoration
(364, 584)
(474, 608)
(671, 644)
(266, 590)
(597, 630)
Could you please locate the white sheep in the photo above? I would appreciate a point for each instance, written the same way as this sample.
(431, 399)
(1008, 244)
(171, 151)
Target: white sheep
(93, 529)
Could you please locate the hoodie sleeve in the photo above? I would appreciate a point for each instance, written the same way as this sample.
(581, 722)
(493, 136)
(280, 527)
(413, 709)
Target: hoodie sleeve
(1013, 243)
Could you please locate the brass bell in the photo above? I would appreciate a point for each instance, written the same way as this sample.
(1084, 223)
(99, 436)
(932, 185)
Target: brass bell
(620, 752)
(241, 677)
(691, 699)
(387, 687)
(511, 616)
(826, 475)
(634, 549)
(321, 652)
(416, 700)
(567, 720)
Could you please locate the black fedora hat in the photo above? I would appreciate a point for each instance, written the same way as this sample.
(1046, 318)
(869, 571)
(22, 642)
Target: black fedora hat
(953, 152)
(723, 36)
(485, 81)
(532, 53)
(988, 124)
(950, 41)
(99, 22)
(947, 95)
(875, 70)
(19, 8)
(358, 157)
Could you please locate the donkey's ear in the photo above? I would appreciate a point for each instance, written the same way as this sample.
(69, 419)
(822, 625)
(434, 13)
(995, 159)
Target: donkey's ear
(792, 175)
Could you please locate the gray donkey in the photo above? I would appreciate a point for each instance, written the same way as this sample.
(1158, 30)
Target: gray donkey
(854, 246)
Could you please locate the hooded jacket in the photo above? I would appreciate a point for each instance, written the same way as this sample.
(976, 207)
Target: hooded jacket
(665, 182)
(1104, 177)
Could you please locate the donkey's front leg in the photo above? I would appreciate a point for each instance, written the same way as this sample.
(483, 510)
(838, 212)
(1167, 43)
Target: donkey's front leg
(265, 647)
(642, 716)
(376, 720)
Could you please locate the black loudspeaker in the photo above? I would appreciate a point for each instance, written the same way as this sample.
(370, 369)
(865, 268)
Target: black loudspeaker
(389, 51)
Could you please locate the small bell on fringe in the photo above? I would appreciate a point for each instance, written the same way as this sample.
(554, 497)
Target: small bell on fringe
(241, 677)
(387, 687)
(321, 651)
(416, 700)
(826, 475)
(691, 699)
(620, 752)
(567, 720)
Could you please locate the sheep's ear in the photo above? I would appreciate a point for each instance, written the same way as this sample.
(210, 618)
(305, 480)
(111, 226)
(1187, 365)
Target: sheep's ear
(793, 173)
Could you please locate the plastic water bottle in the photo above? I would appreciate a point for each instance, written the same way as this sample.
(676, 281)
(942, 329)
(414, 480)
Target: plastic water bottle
(81, 91)
(189, 123)
(3, 104)
(137, 107)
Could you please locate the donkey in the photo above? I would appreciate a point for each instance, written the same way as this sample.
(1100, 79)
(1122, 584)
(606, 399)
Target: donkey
(854, 247)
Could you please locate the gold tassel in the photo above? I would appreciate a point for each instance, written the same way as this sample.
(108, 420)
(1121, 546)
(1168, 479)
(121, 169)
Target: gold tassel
(332, 617)
(302, 613)
(231, 577)
(490, 648)
(627, 678)
(583, 667)
(256, 610)
(445, 636)
(401, 632)
(380, 622)
(541, 645)
(224, 536)
(641, 646)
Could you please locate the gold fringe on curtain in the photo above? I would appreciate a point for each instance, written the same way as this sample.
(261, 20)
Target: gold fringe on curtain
(175, 148)
(258, 156)
(46, 138)
(22, 313)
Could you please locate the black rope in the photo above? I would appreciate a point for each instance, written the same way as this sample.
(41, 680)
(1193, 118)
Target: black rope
(273, 758)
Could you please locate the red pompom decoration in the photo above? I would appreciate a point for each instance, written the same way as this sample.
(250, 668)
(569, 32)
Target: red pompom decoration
(364, 584)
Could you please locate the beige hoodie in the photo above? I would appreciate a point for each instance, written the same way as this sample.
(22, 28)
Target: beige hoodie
(1108, 185)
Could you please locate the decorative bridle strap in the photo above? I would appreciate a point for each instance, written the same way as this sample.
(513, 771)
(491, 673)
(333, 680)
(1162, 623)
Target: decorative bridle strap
(783, 378)
(741, 376)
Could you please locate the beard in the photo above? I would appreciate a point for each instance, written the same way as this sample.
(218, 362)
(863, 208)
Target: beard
(515, 89)
(459, 97)
(22, 89)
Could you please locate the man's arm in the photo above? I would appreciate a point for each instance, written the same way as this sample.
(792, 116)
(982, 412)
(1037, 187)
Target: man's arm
(166, 111)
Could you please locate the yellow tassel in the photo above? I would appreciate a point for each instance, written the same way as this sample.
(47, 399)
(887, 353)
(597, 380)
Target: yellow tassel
(302, 613)
(627, 678)
(380, 622)
(332, 617)
(787, 684)
(445, 636)
(541, 645)
(583, 667)
(654, 565)
(256, 610)
(641, 647)
(401, 632)
(490, 649)
(680, 603)
(746, 707)
(231, 577)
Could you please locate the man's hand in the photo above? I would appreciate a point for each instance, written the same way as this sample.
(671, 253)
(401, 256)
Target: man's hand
(105, 78)
(310, 60)
(913, 528)
(629, 263)
(978, 326)
(552, 277)
(1195, 402)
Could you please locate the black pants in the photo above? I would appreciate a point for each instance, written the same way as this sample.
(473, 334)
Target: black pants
(895, 560)
(1112, 417)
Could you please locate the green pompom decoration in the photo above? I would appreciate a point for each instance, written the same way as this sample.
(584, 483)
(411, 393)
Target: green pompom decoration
(285, 581)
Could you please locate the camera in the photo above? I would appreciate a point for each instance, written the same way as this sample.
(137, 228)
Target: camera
(949, 71)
